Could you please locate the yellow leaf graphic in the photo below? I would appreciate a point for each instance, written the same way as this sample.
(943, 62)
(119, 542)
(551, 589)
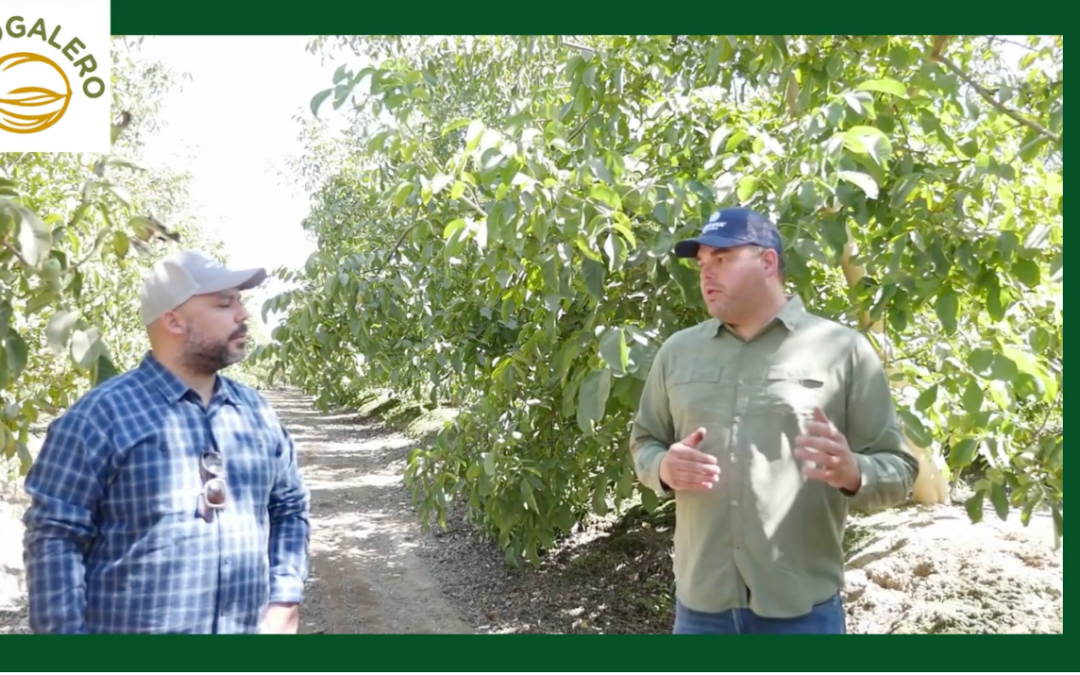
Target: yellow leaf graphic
(20, 107)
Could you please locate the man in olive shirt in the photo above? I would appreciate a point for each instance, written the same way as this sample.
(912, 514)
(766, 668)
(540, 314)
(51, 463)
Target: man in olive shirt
(766, 423)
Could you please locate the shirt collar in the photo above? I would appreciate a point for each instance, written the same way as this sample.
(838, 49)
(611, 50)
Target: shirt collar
(173, 389)
(791, 315)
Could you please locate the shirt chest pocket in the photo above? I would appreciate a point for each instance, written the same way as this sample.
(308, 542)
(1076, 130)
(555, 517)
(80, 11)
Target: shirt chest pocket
(250, 460)
(698, 391)
(790, 389)
(152, 478)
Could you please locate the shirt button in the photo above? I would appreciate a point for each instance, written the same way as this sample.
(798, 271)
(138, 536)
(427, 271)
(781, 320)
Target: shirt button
(734, 502)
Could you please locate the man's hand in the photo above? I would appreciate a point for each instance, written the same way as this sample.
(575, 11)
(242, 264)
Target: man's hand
(280, 619)
(684, 467)
(824, 445)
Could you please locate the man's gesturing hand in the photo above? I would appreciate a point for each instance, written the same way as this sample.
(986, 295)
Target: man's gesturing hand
(684, 467)
(826, 447)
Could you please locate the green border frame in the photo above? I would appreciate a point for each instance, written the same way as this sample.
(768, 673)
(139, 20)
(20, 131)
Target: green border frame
(489, 17)
(535, 653)
(504, 653)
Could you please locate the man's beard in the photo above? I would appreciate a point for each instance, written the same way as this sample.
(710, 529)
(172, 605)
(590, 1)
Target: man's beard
(206, 357)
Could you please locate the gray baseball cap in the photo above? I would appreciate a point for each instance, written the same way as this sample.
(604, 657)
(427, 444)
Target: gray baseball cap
(181, 276)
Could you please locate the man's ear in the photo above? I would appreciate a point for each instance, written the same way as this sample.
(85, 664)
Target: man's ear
(771, 260)
(173, 322)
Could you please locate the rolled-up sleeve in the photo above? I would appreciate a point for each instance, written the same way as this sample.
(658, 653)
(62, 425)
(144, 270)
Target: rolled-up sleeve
(65, 485)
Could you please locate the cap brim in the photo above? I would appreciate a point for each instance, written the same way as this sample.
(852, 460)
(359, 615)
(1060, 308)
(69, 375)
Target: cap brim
(239, 279)
(688, 248)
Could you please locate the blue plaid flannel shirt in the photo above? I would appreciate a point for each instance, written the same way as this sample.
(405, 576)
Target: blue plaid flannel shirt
(114, 543)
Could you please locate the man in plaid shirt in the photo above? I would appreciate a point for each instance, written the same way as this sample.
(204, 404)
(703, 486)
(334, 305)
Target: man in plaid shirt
(168, 499)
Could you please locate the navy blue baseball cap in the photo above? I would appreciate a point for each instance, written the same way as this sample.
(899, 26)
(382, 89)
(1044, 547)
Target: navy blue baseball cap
(731, 227)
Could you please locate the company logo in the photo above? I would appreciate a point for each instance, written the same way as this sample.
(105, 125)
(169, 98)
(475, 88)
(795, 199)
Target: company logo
(54, 72)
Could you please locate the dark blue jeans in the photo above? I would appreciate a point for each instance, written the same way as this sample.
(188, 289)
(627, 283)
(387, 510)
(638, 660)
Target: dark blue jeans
(826, 618)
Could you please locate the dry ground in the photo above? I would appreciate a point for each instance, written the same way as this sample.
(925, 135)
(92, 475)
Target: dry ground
(375, 571)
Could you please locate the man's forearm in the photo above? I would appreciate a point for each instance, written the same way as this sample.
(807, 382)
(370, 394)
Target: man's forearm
(56, 583)
(887, 479)
(652, 433)
(288, 558)
(65, 486)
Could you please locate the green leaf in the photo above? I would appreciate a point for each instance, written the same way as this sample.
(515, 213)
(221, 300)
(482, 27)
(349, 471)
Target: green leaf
(946, 307)
(1056, 265)
(747, 186)
(963, 453)
(452, 227)
(33, 238)
(1027, 271)
(17, 354)
(473, 134)
(319, 99)
(869, 141)
(884, 85)
(86, 347)
(58, 331)
(564, 518)
(473, 472)
(592, 399)
(981, 360)
(457, 190)
(614, 350)
(649, 500)
(1059, 525)
(6, 312)
(527, 495)
(121, 244)
(972, 398)
(599, 501)
(25, 458)
(1027, 363)
(863, 181)
(104, 370)
(1003, 368)
(1000, 500)
(1031, 145)
(489, 464)
(594, 274)
(717, 138)
(456, 124)
(402, 193)
(899, 58)
(974, 506)
(969, 147)
(927, 398)
(605, 195)
(914, 427)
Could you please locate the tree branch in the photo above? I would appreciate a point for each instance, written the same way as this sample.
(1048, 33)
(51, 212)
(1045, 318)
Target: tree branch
(579, 47)
(989, 98)
(18, 255)
(1015, 43)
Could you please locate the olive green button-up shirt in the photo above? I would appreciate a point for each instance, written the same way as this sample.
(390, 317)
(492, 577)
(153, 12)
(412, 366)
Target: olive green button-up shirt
(766, 537)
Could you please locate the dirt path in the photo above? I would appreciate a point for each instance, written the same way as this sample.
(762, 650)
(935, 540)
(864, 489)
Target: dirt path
(365, 576)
